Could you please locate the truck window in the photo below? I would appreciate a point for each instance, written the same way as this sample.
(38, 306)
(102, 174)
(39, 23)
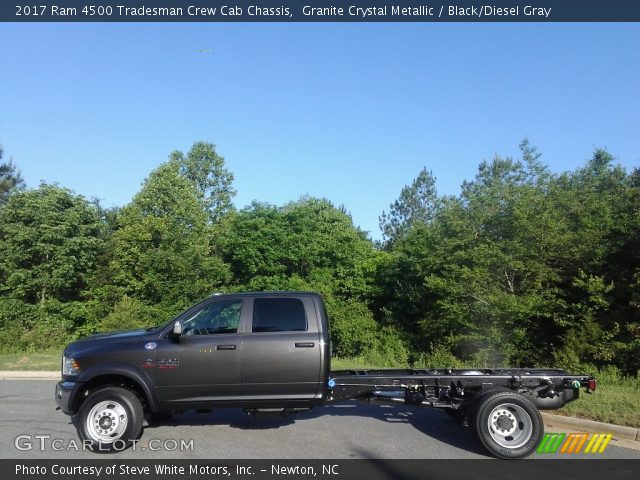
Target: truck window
(214, 318)
(278, 315)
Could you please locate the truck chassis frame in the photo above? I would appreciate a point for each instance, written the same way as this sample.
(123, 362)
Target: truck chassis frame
(501, 406)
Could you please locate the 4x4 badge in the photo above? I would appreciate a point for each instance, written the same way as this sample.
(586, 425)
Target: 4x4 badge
(169, 363)
(150, 346)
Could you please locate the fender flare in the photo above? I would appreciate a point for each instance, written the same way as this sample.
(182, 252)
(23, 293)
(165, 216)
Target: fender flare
(136, 375)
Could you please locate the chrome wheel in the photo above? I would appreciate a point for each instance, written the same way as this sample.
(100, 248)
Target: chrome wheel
(107, 421)
(510, 426)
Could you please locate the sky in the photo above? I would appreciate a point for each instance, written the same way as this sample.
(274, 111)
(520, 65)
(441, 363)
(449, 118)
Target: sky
(350, 112)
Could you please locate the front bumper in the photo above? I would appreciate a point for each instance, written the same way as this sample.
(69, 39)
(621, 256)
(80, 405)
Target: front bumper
(65, 394)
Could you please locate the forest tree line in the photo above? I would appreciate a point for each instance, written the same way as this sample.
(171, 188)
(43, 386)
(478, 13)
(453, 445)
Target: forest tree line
(524, 267)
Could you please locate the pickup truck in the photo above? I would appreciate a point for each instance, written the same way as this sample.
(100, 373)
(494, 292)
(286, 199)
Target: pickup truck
(270, 352)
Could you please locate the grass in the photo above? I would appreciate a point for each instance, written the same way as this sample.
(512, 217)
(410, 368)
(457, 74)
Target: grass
(616, 399)
(48, 360)
(355, 363)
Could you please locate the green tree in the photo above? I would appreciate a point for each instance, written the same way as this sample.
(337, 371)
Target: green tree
(480, 276)
(308, 245)
(162, 255)
(206, 170)
(310, 239)
(522, 266)
(623, 269)
(50, 241)
(600, 262)
(10, 179)
(417, 203)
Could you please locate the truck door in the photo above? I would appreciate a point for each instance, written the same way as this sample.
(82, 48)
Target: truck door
(281, 351)
(202, 365)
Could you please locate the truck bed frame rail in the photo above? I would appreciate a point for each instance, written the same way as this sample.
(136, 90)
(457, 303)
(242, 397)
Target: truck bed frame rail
(452, 388)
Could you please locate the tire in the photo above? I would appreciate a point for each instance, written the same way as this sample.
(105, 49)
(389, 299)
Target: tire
(507, 424)
(109, 419)
(477, 401)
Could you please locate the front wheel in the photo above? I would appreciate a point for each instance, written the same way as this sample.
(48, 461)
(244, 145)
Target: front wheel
(507, 424)
(109, 419)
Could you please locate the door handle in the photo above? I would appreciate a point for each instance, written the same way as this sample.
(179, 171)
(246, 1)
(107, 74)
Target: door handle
(304, 344)
(226, 347)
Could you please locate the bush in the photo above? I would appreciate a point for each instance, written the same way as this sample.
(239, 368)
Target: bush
(353, 328)
(440, 357)
(47, 334)
(27, 327)
(130, 313)
(388, 349)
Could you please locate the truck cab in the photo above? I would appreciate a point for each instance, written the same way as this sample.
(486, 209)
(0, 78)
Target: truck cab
(266, 350)
(259, 349)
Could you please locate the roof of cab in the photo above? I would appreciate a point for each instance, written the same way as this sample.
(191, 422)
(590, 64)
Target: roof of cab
(270, 293)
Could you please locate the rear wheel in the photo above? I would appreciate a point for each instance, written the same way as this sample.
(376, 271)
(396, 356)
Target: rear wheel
(472, 409)
(507, 424)
(109, 419)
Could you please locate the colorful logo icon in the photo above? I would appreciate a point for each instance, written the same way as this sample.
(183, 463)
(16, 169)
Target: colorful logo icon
(574, 442)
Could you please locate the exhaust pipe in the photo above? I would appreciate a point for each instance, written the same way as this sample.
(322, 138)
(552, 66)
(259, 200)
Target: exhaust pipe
(402, 397)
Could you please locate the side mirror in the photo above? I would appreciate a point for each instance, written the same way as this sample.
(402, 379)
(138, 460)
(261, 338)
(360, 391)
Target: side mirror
(177, 329)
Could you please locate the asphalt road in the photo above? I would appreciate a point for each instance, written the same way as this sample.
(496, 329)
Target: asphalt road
(340, 431)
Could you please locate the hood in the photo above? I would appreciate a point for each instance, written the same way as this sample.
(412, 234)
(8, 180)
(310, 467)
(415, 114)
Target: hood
(137, 333)
(101, 339)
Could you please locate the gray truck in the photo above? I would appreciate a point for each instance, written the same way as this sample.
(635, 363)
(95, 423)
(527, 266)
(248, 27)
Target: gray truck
(269, 352)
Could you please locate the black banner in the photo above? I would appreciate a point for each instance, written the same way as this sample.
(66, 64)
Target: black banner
(319, 11)
(112, 469)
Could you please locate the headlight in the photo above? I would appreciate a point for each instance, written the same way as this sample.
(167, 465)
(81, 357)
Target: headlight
(70, 366)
